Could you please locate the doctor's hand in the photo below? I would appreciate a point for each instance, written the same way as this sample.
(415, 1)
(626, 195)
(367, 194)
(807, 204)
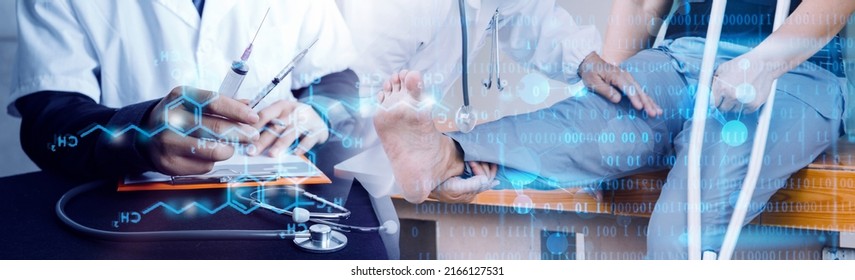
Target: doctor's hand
(611, 82)
(286, 123)
(227, 122)
(742, 84)
(459, 190)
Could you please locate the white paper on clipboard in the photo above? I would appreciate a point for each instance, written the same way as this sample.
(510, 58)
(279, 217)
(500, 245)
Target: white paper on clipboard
(284, 166)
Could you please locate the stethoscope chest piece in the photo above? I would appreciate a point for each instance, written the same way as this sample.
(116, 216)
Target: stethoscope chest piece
(465, 119)
(322, 239)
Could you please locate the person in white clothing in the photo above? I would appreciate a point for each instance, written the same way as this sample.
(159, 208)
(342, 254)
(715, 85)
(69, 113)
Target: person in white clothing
(132, 81)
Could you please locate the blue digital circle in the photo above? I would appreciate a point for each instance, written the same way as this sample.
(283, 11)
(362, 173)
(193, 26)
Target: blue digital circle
(744, 64)
(519, 179)
(533, 88)
(523, 204)
(557, 243)
(584, 91)
(734, 133)
(745, 93)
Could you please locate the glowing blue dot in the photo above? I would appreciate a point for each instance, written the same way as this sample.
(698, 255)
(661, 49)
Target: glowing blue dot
(734, 133)
(519, 179)
(744, 64)
(523, 204)
(745, 93)
(557, 243)
(533, 88)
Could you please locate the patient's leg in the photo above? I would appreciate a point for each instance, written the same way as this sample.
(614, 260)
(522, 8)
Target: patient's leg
(792, 145)
(421, 156)
(579, 141)
(586, 139)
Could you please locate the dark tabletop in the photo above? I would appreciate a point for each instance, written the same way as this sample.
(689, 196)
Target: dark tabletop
(31, 229)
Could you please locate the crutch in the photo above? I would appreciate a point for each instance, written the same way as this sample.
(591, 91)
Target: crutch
(696, 142)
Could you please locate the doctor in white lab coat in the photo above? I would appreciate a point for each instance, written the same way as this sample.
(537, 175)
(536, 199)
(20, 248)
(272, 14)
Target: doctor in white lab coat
(157, 62)
(425, 36)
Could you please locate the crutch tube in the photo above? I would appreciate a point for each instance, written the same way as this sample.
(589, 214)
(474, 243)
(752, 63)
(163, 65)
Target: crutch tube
(696, 138)
(758, 149)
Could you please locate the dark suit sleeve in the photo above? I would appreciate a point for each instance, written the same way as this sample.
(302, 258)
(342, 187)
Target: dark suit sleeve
(336, 99)
(61, 132)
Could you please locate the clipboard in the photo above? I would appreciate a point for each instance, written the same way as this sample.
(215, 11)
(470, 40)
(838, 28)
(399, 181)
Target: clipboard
(238, 171)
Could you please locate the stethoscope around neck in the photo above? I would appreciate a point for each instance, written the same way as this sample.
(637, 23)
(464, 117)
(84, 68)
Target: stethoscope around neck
(465, 118)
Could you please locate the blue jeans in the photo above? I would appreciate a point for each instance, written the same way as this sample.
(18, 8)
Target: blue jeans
(585, 140)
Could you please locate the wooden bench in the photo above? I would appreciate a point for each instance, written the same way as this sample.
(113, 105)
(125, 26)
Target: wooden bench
(818, 197)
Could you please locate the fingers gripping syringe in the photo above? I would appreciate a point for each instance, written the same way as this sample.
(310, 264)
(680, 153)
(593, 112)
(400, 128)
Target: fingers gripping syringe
(239, 69)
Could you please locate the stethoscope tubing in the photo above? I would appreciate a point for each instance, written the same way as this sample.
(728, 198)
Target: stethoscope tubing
(182, 235)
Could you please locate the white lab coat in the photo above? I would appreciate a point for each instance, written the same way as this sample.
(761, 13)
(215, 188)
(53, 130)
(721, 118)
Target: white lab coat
(425, 36)
(125, 52)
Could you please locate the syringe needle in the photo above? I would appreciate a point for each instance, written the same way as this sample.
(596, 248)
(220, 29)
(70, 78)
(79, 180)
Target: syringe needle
(281, 76)
(259, 26)
(248, 50)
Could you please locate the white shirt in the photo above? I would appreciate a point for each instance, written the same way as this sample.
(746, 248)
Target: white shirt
(426, 36)
(125, 52)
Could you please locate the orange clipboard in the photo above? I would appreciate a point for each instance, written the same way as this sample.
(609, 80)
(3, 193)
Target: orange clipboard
(319, 178)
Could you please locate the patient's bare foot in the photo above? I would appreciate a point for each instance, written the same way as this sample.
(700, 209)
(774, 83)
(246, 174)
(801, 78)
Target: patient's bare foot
(421, 156)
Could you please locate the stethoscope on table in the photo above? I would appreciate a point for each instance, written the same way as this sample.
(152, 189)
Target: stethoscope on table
(324, 236)
(465, 118)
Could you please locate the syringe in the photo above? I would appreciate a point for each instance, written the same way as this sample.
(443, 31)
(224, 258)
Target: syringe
(239, 69)
(281, 76)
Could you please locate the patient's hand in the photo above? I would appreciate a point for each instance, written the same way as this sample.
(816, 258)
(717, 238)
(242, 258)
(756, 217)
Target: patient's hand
(610, 82)
(743, 84)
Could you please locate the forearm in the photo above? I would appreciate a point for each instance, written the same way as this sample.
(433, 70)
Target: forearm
(47, 116)
(336, 100)
(629, 22)
(807, 30)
